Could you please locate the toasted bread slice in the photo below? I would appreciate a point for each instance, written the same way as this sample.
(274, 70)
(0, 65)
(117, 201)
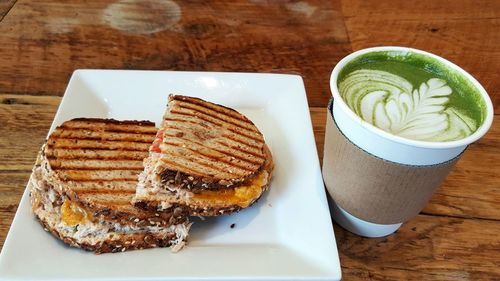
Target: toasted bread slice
(91, 166)
(203, 145)
(207, 202)
(207, 158)
(57, 214)
(96, 162)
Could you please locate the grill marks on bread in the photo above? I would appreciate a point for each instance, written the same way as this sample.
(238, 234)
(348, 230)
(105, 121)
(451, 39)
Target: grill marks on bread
(99, 149)
(97, 154)
(76, 143)
(111, 125)
(222, 154)
(90, 174)
(98, 162)
(91, 134)
(210, 141)
(99, 144)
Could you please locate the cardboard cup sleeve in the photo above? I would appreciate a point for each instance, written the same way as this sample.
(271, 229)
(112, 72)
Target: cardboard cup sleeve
(374, 189)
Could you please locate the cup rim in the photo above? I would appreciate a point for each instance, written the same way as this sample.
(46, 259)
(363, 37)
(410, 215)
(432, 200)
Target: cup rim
(483, 128)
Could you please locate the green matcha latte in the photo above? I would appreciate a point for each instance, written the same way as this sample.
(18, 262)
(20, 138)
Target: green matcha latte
(411, 95)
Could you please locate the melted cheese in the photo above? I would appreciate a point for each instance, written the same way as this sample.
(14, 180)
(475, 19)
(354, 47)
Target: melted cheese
(72, 214)
(242, 195)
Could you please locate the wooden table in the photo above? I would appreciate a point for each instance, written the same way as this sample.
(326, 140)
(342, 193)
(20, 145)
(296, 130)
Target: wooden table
(456, 237)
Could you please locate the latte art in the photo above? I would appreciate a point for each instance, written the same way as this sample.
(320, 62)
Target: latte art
(393, 104)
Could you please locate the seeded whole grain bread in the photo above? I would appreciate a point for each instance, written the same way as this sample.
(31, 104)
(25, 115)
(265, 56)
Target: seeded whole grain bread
(122, 243)
(97, 161)
(172, 200)
(94, 164)
(204, 150)
(207, 146)
(110, 241)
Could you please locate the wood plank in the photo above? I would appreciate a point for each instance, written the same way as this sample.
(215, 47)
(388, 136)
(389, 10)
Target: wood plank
(470, 43)
(25, 121)
(423, 10)
(12, 186)
(471, 189)
(5, 7)
(318, 119)
(44, 41)
(425, 248)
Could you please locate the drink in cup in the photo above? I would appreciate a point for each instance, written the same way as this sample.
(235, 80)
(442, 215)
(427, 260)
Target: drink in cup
(399, 121)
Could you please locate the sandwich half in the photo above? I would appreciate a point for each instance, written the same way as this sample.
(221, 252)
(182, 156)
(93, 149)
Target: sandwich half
(207, 159)
(83, 182)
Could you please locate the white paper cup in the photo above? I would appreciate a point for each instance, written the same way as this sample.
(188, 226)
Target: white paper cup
(394, 148)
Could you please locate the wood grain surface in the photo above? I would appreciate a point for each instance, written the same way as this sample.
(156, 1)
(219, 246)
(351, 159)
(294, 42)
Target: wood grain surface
(5, 6)
(217, 36)
(425, 248)
(43, 42)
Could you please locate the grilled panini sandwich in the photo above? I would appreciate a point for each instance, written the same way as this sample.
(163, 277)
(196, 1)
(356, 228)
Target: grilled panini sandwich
(207, 159)
(84, 180)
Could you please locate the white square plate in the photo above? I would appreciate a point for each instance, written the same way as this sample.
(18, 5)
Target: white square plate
(287, 235)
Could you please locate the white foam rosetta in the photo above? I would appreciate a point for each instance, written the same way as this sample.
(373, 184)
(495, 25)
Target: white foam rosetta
(391, 103)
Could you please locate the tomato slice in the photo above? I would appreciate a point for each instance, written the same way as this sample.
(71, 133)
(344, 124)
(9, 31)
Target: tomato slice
(155, 147)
